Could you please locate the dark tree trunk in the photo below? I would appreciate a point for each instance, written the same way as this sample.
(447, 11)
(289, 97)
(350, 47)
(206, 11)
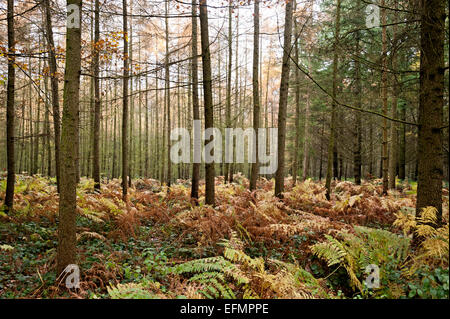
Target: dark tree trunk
(10, 116)
(96, 64)
(125, 104)
(332, 158)
(207, 91)
(256, 106)
(195, 101)
(431, 106)
(357, 128)
(284, 88)
(66, 253)
(384, 84)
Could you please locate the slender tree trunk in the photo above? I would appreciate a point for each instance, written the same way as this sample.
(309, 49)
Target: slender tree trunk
(431, 107)
(131, 144)
(125, 104)
(394, 126)
(306, 150)
(384, 84)
(357, 128)
(402, 146)
(147, 139)
(230, 62)
(10, 110)
(236, 93)
(256, 106)
(66, 253)
(195, 101)
(114, 155)
(331, 142)
(284, 88)
(167, 95)
(96, 64)
(55, 93)
(207, 91)
(295, 167)
(47, 129)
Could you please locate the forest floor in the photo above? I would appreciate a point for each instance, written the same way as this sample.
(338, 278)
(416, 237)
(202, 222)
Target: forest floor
(160, 245)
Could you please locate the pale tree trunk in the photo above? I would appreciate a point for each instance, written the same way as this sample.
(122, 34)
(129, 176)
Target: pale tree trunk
(284, 88)
(66, 253)
(431, 107)
(256, 106)
(331, 142)
(10, 112)
(208, 104)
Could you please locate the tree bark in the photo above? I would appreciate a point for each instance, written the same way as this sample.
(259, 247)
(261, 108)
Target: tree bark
(55, 89)
(357, 114)
(167, 95)
(66, 253)
(230, 62)
(331, 142)
(256, 106)
(125, 104)
(384, 84)
(295, 167)
(431, 107)
(207, 92)
(393, 133)
(10, 111)
(284, 88)
(97, 105)
(195, 101)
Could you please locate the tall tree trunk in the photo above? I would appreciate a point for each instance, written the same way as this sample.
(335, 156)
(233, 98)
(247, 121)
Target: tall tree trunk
(195, 101)
(295, 167)
(125, 104)
(331, 142)
(96, 64)
(358, 99)
(147, 140)
(394, 126)
(55, 93)
(207, 92)
(384, 84)
(306, 157)
(236, 94)
(66, 253)
(114, 155)
(256, 106)
(431, 107)
(230, 62)
(47, 128)
(402, 146)
(131, 145)
(10, 112)
(167, 95)
(284, 88)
